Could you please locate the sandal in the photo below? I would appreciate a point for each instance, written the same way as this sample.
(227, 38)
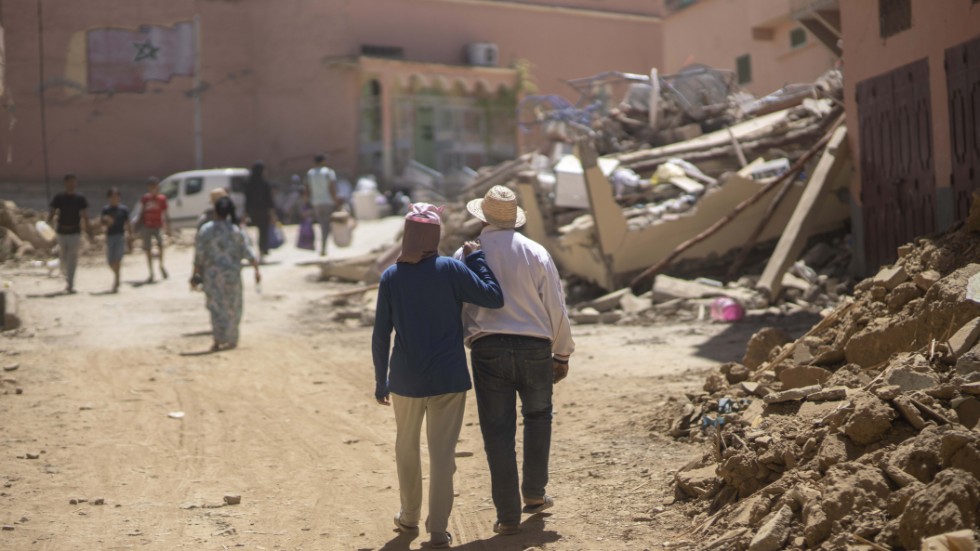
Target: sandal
(535, 508)
(441, 540)
(405, 528)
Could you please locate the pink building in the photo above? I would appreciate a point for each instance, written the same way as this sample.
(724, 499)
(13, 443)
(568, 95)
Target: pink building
(374, 83)
(912, 93)
(766, 43)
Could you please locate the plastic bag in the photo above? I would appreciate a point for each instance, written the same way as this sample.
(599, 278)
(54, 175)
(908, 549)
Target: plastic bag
(726, 309)
(306, 239)
(342, 224)
(276, 238)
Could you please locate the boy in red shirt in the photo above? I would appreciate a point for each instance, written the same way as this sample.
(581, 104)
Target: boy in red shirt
(154, 221)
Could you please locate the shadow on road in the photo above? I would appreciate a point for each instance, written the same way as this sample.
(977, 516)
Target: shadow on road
(103, 293)
(207, 352)
(532, 534)
(729, 345)
(52, 294)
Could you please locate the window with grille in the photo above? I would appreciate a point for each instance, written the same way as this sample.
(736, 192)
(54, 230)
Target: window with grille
(894, 16)
(797, 37)
(743, 68)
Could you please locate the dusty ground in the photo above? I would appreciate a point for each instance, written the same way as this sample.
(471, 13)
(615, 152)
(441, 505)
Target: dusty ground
(288, 421)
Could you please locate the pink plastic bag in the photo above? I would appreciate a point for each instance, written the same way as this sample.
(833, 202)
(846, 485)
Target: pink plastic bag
(726, 309)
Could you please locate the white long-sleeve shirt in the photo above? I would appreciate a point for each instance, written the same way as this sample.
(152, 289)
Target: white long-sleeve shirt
(534, 302)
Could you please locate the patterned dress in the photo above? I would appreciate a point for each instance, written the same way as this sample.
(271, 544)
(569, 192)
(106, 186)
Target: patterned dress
(220, 247)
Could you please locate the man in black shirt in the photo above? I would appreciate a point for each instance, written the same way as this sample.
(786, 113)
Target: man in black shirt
(259, 206)
(72, 218)
(115, 218)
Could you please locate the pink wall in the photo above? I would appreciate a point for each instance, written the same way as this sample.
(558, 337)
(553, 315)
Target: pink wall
(933, 31)
(715, 32)
(641, 7)
(559, 44)
(274, 88)
(268, 96)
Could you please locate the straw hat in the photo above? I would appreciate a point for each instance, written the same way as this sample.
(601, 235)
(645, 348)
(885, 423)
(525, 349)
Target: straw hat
(498, 208)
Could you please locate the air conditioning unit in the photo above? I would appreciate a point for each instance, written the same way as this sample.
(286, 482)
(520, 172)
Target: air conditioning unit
(482, 54)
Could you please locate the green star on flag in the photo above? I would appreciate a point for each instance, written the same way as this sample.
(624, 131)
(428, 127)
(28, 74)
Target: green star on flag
(145, 50)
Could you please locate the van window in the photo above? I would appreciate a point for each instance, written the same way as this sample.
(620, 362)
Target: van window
(169, 188)
(238, 184)
(193, 185)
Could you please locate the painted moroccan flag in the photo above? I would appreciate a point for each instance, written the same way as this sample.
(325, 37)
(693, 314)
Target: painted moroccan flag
(123, 60)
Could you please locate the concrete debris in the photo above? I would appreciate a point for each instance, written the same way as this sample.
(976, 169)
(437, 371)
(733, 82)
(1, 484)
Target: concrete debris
(889, 278)
(23, 233)
(964, 339)
(762, 344)
(884, 444)
(924, 280)
(774, 531)
(793, 395)
(961, 540)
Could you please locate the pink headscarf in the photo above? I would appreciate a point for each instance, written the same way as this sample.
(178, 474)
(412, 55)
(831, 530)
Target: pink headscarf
(423, 228)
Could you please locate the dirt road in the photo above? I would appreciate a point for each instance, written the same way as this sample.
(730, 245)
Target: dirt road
(288, 422)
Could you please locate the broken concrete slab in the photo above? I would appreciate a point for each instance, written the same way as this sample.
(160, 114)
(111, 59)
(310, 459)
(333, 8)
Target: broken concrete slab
(925, 279)
(970, 388)
(793, 395)
(961, 540)
(890, 278)
(666, 288)
(697, 482)
(964, 338)
(908, 379)
(831, 394)
(608, 302)
(772, 535)
(973, 288)
(803, 376)
(634, 305)
(586, 315)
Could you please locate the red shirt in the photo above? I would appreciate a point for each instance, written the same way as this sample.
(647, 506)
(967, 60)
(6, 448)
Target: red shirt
(153, 208)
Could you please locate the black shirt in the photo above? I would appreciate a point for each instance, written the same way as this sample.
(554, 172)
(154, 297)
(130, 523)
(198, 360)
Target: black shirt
(258, 198)
(69, 209)
(119, 215)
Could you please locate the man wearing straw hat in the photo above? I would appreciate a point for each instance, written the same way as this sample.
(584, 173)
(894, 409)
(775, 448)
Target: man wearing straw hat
(521, 349)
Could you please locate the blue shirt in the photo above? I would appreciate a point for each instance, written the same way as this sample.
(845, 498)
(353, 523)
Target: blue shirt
(423, 303)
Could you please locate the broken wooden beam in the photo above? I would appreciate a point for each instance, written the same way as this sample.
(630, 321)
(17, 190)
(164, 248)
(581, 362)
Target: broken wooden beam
(793, 239)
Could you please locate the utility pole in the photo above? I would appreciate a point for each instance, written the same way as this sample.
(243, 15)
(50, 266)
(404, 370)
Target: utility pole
(40, 93)
(198, 123)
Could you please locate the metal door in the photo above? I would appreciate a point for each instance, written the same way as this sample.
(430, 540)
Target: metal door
(963, 85)
(898, 183)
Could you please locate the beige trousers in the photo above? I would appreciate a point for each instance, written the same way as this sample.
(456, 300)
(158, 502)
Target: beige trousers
(443, 416)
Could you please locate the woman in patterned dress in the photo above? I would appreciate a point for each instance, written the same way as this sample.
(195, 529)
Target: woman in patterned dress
(220, 247)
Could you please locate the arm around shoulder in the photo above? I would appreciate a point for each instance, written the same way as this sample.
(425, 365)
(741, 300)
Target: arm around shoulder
(476, 283)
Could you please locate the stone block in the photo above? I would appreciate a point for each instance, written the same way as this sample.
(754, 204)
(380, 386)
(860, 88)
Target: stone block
(889, 278)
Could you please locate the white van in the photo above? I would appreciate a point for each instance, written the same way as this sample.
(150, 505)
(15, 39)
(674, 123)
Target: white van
(189, 193)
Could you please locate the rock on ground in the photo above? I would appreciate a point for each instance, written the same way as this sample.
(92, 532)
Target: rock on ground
(951, 502)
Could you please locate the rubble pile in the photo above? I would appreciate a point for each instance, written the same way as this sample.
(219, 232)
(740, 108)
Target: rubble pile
(866, 429)
(21, 235)
(815, 283)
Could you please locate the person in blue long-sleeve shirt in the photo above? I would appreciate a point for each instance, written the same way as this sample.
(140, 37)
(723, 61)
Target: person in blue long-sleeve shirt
(425, 376)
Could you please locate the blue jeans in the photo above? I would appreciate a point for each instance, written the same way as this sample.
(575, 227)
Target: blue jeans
(504, 367)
